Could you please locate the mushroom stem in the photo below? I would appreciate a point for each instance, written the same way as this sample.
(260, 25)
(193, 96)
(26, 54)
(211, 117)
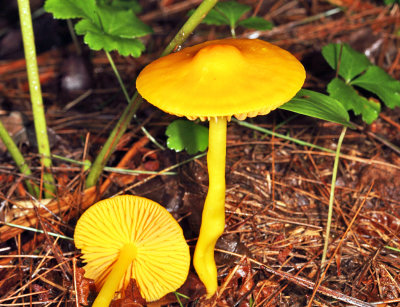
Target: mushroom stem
(126, 255)
(213, 218)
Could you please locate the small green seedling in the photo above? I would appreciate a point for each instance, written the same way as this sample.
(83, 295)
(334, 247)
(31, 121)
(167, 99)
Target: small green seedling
(230, 13)
(356, 71)
(105, 25)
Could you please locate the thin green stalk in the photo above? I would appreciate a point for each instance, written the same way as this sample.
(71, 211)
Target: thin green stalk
(233, 32)
(87, 164)
(178, 295)
(163, 172)
(335, 167)
(18, 159)
(190, 25)
(332, 195)
(37, 230)
(232, 24)
(73, 36)
(136, 100)
(334, 172)
(121, 83)
(124, 90)
(112, 141)
(36, 94)
(393, 248)
(282, 136)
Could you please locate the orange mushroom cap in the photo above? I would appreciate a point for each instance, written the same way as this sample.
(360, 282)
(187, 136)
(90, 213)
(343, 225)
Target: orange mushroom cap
(228, 77)
(162, 256)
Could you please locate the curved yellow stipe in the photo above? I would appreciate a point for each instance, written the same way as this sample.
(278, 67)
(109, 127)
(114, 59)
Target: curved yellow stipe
(127, 254)
(213, 218)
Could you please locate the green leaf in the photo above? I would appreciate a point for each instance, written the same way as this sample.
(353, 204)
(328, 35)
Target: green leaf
(351, 63)
(232, 10)
(186, 135)
(214, 18)
(377, 81)
(67, 9)
(226, 13)
(98, 40)
(318, 105)
(350, 99)
(108, 27)
(257, 23)
(122, 23)
(127, 5)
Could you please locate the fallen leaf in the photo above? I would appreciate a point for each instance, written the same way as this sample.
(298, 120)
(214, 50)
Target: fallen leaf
(83, 286)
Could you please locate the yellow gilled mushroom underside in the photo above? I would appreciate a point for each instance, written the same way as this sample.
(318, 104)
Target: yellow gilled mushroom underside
(130, 237)
(216, 80)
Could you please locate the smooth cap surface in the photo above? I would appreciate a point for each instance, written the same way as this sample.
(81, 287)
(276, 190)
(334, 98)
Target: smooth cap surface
(162, 256)
(229, 77)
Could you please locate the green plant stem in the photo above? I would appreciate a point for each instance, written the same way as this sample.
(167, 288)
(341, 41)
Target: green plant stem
(87, 164)
(37, 230)
(124, 90)
(36, 94)
(112, 141)
(393, 248)
(73, 36)
(332, 195)
(116, 72)
(134, 103)
(282, 136)
(18, 159)
(233, 31)
(190, 25)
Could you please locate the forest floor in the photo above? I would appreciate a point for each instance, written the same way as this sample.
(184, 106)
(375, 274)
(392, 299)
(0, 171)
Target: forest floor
(277, 190)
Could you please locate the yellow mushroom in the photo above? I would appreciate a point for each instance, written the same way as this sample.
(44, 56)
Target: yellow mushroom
(130, 237)
(216, 80)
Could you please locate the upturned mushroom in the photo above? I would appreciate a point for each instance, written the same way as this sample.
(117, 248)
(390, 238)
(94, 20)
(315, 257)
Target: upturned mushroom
(130, 237)
(216, 80)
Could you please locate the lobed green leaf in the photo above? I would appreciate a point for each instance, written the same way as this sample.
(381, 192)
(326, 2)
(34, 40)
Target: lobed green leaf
(350, 62)
(124, 4)
(186, 135)
(67, 9)
(214, 18)
(377, 81)
(121, 23)
(108, 27)
(257, 23)
(125, 47)
(226, 13)
(350, 99)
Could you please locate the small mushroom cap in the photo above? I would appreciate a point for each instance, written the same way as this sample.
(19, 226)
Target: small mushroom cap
(240, 77)
(162, 262)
